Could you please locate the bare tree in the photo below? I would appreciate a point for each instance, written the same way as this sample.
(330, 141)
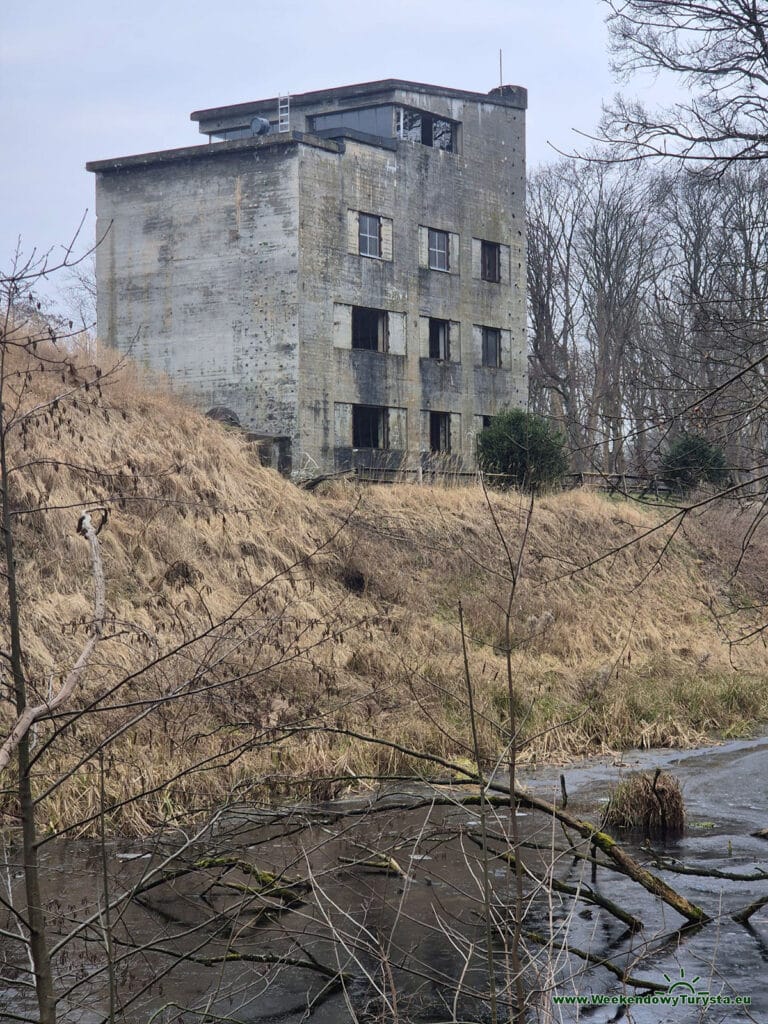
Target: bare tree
(717, 52)
(618, 259)
(20, 351)
(555, 207)
(647, 312)
(52, 400)
(80, 293)
(595, 251)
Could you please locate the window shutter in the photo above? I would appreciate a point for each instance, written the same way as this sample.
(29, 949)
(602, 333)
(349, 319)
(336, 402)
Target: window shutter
(477, 344)
(423, 247)
(397, 333)
(454, 341)
(506, 349)
(386, 238)
(455, 440)
(342, 326)
(425, 430)
(477, 270)
(504, 263)
(424, 337)
(398, 436)
(342, 427)
(353, 229)
(453, 253)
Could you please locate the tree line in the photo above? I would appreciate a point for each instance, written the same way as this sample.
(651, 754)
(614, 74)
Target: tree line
(647, 291)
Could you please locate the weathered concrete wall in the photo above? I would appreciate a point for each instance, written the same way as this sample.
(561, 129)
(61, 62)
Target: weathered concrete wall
(234, 268)
(477, 193)
(198, 276)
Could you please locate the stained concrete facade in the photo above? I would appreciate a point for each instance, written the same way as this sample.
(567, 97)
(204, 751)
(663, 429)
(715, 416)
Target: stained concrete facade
(352, 279)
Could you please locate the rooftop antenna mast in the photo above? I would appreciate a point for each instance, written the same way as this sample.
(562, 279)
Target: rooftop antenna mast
(501, 76)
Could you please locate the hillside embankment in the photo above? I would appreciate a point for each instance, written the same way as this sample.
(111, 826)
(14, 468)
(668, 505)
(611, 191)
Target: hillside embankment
(257, 634)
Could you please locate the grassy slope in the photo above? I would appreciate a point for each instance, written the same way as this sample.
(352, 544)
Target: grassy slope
(340, 610)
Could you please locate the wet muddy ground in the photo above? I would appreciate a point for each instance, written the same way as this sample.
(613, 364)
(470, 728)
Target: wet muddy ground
(409, 936)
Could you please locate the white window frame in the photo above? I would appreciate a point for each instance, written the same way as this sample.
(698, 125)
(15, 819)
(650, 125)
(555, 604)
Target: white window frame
(369, 235)
(439, 250)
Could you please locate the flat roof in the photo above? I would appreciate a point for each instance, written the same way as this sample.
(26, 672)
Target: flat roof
(212, 149)
(506, 96)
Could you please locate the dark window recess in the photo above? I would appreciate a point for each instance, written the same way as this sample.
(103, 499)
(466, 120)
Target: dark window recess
(369, 234)
(438, 246)
(417, 126)
(440, 431)
(370, 329)
(370, 120)
(490, 261)
(369, 427)
(439, 339)
(491, 346)
(487, 422)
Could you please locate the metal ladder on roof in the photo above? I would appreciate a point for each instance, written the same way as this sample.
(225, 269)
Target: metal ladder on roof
(283, 113)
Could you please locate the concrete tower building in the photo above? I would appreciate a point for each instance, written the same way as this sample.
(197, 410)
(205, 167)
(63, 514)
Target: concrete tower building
(345, 270)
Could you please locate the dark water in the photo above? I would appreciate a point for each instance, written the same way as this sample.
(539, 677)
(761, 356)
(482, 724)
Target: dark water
(726, 796)
(411, 944)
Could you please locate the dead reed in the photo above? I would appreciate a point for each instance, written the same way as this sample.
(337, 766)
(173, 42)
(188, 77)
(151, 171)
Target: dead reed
(648, 801)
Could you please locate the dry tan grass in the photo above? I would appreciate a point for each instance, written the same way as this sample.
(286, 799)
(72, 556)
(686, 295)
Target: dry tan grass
(651, 802)
(338, 611)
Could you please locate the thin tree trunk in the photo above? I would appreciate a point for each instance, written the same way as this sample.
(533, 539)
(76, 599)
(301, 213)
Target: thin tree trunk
(35, 916)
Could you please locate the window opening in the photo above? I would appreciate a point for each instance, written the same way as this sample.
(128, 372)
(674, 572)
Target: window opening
(409, 125)
(491, 346)
(438, 250)
(490, 261)
(370, 329)
(439, 339)
(369, 427)
(440, 431)
(418, 126)
(443, 134)
(369, 235)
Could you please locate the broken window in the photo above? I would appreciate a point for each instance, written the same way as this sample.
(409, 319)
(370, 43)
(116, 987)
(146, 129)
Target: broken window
(438, 249)
(369, 426)
(491, 346)
(490, 261)
(443, 134)
(440, 431)
(418, 126)
(439, 339)
(369, 235)
(370, 329)
(408, 125)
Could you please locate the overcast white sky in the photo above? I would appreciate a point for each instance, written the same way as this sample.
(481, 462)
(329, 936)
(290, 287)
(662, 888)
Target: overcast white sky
(90, 79)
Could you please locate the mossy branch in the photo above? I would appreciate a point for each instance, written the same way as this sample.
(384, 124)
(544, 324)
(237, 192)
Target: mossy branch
(599, 840)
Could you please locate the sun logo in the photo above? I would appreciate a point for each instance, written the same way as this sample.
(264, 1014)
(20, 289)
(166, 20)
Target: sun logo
(682, 982)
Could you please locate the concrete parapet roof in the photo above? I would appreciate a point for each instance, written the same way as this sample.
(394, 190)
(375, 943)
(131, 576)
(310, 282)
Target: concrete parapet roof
(213, 150)
(507, 96)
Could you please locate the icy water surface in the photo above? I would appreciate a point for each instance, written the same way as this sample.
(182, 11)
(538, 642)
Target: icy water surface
(410, 942)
